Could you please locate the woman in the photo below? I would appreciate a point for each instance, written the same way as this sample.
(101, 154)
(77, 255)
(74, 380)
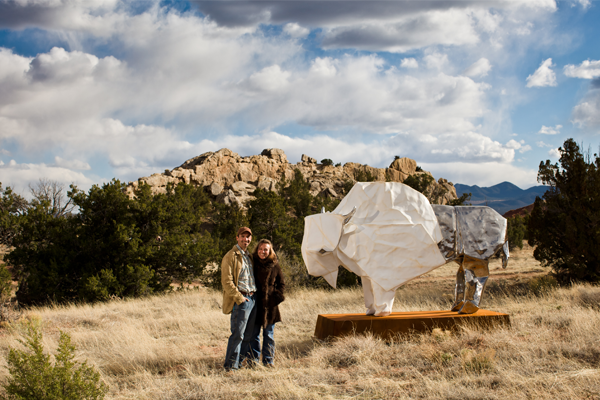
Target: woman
(269, 289)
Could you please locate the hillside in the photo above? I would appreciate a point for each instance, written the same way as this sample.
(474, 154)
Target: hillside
(502, 197)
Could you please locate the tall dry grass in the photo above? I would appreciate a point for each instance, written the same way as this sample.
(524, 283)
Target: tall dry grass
(172, 347)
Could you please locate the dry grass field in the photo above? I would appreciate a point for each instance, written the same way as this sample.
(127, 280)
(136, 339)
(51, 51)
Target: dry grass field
(172, 346)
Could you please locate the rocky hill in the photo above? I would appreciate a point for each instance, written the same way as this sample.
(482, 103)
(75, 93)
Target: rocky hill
(230, 178)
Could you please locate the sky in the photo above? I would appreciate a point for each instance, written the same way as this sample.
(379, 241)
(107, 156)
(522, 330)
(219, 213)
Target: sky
(477, 92)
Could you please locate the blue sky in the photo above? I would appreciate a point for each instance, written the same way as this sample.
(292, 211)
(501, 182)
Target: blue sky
(478, 92)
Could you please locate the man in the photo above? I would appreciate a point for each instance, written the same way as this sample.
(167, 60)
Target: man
(237, 278)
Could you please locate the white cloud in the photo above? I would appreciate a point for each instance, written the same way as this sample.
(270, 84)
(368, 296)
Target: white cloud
(554, 153)
(479, 68)
(587, 112)
(20, 176)
(548, 130)
(269, 79)
(586, 70)
(409, 63)
(295, 30)
(436, 60)
(543, 144)
(71, 164)
(520, 146)
(585, 4)
(179, 84)
(543, 76)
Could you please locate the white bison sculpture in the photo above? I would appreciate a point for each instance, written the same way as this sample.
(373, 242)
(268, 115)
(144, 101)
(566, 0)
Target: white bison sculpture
(388, 234)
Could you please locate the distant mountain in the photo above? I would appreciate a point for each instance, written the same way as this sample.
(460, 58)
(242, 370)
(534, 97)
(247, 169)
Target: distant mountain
(502, 197)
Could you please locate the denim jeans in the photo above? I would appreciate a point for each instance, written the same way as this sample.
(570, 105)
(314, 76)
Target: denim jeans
(242, 324)
(268, 344)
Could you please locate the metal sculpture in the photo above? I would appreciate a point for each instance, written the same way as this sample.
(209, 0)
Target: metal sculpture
(388, 234)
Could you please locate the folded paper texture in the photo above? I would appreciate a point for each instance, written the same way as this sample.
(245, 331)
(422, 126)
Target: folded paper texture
(388, 234)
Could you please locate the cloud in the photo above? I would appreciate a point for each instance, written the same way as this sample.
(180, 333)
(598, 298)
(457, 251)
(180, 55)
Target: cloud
(478, 69)
(587, 112)
(585, 4)
(548, 130)
(543, 76)
(394, 26)
(586, 70)
(409, 63)
(521, 146)
(554, 153)
(295, 30)
(71, 164)
(543, 144)
(20, 176)
(436, 60)
(178, 83)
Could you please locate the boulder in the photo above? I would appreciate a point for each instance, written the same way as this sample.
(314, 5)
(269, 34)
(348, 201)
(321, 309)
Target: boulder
(230, 178)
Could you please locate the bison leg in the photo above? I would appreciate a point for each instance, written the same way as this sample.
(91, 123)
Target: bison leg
(459, 290)
(378, 301)
(476, 276)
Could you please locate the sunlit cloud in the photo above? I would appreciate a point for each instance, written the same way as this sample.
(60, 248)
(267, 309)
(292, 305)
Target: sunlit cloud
(543, 76)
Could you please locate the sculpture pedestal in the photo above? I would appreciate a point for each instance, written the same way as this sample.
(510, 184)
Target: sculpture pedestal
(335, 325)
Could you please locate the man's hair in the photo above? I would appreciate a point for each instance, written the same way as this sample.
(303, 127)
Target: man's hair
(272, 256)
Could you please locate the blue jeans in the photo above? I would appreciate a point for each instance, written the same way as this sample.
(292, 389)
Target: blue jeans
(268, 344)
(242, 324)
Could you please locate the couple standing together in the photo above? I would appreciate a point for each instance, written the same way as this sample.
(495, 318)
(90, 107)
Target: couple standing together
(253, 287)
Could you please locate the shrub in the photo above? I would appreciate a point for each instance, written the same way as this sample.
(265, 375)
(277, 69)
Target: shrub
(5, 283)
(326, 162)
(517, 231)
(34, 377)
(110, 248)
(565, 225)
(462, 200)
(419, 182)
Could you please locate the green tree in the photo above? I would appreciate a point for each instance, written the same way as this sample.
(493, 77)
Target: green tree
(12, 206)
(34, 376)
(326, 161)
(462, 200)
(114, 245)
(419, 182)
(516, 231)
(269, 218)
(564, 225)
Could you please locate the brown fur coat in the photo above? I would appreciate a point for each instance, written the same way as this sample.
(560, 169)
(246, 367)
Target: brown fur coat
(270, 287)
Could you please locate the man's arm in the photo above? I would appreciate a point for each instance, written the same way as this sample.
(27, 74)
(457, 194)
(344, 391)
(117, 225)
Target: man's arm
(229, 287)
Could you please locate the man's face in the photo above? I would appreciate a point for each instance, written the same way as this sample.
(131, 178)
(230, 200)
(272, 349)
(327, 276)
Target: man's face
(244, 240)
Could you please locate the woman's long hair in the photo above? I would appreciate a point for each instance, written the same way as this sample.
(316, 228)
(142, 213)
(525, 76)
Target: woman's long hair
(271, 257)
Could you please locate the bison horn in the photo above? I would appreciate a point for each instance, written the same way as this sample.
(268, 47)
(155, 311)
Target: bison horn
(349, 216)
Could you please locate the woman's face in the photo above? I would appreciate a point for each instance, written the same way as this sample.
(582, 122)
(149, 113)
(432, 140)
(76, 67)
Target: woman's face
(264, 250)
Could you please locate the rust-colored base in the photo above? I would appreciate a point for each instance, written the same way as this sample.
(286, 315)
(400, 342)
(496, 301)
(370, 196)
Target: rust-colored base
(332, 325)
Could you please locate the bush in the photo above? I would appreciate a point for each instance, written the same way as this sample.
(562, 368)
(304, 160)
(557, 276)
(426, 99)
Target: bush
(326, 162)
(110, 247)
(34, 377)
(565, 225)
(5, 283)
(517, 231)
(419, 182)
(462, 200)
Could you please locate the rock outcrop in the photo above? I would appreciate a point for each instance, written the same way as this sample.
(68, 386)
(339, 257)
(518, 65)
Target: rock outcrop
(230, 178)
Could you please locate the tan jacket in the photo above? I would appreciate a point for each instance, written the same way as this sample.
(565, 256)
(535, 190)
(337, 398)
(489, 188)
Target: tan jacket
(230, 272)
